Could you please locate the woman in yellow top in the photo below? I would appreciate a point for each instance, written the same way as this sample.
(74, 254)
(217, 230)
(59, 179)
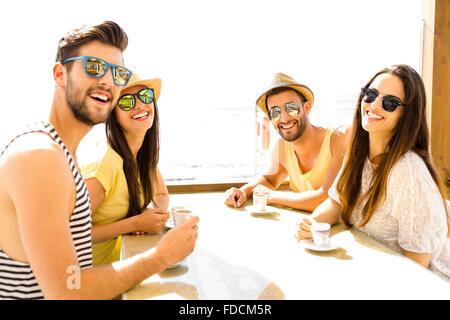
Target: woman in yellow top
(126, 183)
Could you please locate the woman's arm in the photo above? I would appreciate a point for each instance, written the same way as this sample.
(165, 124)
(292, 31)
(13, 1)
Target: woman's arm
(161, 197)
(106, 231)
(150, 220)
(421, 258)
(328, 211)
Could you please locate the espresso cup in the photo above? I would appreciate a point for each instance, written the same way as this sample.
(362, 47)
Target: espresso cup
(182, 215)
(174, 209)
(321, 233)
(259, 200)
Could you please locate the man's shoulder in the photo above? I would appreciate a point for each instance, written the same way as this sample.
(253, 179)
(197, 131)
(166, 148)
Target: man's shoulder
(33, 142)
(35, 150)
(339, 138)
(341, 131)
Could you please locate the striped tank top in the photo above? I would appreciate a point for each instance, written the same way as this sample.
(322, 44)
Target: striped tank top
(17, 280)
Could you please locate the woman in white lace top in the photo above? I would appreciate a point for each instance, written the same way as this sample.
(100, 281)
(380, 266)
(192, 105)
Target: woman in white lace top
(387, 186)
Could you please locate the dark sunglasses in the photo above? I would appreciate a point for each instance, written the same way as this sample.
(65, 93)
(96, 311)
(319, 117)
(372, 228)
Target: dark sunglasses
(97, 68)
(389, 103)
(292, 109)
(128, 101)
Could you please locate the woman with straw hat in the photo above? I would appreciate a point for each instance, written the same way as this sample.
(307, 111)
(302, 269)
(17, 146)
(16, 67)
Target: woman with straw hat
(126, 183)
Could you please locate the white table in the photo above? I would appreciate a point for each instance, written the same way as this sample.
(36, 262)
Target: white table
(242, 256)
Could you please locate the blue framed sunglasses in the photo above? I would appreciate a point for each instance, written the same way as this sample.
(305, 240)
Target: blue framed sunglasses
(97, 68)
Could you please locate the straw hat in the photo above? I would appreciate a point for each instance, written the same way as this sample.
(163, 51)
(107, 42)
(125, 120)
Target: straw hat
(282, 80)
(154, 84)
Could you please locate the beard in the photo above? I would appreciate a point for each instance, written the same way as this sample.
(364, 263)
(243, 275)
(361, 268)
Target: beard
(78, 104)
(301, 126)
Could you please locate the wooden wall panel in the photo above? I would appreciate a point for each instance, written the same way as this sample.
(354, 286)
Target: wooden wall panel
(436, 74)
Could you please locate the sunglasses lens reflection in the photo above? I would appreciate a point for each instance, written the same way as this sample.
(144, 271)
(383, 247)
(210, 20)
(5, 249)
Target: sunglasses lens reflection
(274, 113)
(146, 96)
(95, 67)
(126, 102)
(121, 76)
(292, 109)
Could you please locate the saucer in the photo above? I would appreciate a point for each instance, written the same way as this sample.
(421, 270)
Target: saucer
(170, 223)
(309, 244)
(253, 209)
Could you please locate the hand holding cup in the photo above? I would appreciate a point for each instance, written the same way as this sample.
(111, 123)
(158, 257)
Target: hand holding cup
(178, 242)
(304, 229)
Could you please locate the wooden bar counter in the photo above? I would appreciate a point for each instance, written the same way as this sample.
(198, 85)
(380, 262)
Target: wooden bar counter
(240, 255)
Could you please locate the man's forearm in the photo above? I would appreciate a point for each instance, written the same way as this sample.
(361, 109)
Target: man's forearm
(260, 180)
(109, 281)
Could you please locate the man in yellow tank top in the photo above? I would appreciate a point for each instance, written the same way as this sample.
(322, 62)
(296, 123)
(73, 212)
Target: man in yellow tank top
(310, 155)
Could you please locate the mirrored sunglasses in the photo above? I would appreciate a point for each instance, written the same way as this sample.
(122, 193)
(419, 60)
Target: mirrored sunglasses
(292, 109)
(128, 101)
(389, 103)
(97, 68)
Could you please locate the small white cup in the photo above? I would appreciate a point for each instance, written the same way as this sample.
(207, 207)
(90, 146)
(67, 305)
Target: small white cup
(259, 200)
(173, 209)
(181, 215)
(321, 233)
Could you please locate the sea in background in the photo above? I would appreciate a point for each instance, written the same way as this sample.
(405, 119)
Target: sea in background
(214, 144)
(222, 144)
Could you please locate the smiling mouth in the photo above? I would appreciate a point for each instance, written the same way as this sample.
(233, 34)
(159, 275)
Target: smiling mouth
(141, 115)
(287, 126)
(372, 115)
(99, 97)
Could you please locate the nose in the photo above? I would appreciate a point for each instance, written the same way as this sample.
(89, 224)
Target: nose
(107, 78)
(139, 104)
(142, 106)
(377, 103)
(284, 116)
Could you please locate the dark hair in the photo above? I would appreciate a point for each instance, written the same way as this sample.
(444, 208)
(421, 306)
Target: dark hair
(410, 134)
(107, 32)
(278, 90)
(147, 160)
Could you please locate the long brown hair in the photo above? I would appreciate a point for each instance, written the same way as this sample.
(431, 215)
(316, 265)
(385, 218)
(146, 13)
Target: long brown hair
(410, 134)
(140, 176)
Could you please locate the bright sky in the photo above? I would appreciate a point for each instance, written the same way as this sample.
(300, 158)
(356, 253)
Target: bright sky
(213, 53)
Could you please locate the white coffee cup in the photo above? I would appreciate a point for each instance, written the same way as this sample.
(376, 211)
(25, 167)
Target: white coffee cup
(181, 215)
(259, 200)
(173, 209)
(321, 233)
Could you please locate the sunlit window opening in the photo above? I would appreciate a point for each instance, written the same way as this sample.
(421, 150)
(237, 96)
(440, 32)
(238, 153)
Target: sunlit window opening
(215, 59)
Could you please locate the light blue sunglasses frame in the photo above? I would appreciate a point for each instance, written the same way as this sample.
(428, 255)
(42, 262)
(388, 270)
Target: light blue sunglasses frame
(113, 68)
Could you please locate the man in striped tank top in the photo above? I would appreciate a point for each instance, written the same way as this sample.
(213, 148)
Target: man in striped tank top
(45, 215)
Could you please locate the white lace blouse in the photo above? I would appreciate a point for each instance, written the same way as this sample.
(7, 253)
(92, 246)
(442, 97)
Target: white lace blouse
(412, 216)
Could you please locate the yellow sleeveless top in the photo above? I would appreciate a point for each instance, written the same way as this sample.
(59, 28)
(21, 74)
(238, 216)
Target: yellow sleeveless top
(109, 172)
(313, 179)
